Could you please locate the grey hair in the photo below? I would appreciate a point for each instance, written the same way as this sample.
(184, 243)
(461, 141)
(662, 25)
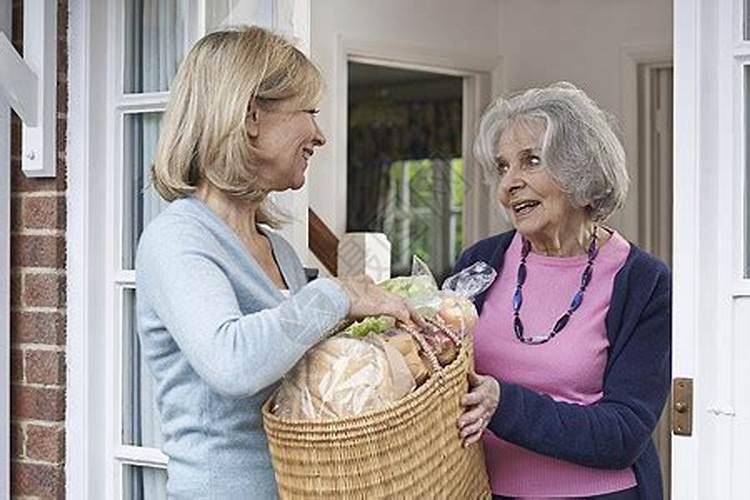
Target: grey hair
(580, 148)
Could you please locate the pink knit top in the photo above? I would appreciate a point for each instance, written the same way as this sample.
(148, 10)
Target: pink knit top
(568, 368)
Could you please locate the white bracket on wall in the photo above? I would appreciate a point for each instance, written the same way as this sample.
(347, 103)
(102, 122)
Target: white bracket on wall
(29, 85)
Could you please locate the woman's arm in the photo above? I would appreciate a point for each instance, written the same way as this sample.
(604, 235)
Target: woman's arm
(237, 355)
(613, 432)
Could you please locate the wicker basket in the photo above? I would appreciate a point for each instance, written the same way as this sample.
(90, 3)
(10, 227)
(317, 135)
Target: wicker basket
(410, 450)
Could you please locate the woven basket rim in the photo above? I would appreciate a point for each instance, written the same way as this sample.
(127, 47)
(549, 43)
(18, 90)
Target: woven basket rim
(456, 368)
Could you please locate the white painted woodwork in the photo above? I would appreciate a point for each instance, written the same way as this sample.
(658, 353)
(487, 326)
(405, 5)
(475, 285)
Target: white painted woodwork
(365, 253)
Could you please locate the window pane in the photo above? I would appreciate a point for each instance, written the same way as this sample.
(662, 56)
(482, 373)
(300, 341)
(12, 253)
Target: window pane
(141, 202)
(155, 40)
(144, 483)
(140, 416)
(746, 17)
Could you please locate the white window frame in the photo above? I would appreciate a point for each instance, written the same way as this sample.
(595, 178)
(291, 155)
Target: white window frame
(94, 455)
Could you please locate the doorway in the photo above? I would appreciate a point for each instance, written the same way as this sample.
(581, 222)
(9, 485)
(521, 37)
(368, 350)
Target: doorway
(405, 166)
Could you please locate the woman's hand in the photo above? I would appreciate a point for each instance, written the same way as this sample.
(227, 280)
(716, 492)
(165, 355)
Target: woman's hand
(368, 299)
(480, 404)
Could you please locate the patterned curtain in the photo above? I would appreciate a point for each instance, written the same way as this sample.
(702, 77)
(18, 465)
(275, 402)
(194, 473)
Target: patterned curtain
(382, 132)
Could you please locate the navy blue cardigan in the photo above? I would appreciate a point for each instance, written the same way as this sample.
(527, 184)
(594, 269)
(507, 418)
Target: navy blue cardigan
(615, 432)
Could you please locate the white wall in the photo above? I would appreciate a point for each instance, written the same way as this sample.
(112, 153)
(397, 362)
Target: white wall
(431, 27)
(584, 42)
(539, 42)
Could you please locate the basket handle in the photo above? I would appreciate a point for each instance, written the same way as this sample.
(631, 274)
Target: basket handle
(432, 361)
(434, 364)
(439, 323)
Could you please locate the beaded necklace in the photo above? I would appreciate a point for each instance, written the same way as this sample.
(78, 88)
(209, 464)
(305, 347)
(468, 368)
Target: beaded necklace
(592, 252)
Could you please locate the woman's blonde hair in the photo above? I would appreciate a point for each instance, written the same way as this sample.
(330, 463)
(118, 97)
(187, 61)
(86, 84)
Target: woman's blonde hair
(203, 134)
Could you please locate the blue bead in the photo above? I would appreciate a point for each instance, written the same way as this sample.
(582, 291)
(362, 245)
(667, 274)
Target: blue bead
(521, 278)
(561, 323)
(517, 299)
(576, 301)
(518, 327)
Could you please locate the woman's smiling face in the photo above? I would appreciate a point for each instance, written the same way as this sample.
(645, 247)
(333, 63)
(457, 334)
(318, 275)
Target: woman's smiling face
(286, 138)
(535, 203)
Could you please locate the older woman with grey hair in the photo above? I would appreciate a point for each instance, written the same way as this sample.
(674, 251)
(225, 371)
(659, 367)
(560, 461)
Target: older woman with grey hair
(573, 340)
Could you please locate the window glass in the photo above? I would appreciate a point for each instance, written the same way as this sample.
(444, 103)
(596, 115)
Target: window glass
(140, 416)
(144, 483)
(155, 36)
(141, 202)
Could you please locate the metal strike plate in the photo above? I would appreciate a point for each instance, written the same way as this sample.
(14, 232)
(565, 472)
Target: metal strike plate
(682, 406)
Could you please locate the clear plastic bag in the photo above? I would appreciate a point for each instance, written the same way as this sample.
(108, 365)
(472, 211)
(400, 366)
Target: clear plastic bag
(375, 362)
(344, 376)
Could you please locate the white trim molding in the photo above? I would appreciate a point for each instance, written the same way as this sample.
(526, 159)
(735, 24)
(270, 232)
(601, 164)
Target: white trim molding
(5, 26)
(84, 432)
(29, 85)
(631, 57)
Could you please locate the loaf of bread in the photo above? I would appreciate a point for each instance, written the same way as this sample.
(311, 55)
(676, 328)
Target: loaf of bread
(458, 313)
(343, 376)
(407, 346)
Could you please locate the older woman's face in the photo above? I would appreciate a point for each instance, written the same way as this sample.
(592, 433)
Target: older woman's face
(287, 138)
(532, 199)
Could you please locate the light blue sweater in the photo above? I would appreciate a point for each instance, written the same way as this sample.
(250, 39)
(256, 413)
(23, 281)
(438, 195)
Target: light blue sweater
(218, 335)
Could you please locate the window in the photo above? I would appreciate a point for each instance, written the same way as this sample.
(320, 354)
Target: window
(122, 59)
(424, 213)
(405, 169)
(152, 37)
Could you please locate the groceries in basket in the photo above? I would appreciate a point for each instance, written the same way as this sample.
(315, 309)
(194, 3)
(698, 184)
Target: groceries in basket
(377, 361)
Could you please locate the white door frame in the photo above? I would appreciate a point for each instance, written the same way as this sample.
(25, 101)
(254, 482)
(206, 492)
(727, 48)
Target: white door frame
(711, 303)
(5, 27)
(631, 57)
(483, 78)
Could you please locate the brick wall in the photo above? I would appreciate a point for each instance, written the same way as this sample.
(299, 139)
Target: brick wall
(38, 304)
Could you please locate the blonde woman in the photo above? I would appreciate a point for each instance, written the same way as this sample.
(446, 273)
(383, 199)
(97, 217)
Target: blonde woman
(224, 309)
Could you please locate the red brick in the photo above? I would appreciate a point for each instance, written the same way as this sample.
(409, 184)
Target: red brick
(62, 92)
(45, 443)
(15, 214)
(16, 441)
(17, 27)
(44, 290)
(37, 403)
(37, 480)
(37, 251)
(44, 367)
(16, 287)
(61, 134)
(37, 327)
(16, 365)
(22, 184)
(44, 212)
(62, 22)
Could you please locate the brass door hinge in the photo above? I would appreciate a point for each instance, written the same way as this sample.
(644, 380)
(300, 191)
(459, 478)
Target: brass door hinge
(682, 406)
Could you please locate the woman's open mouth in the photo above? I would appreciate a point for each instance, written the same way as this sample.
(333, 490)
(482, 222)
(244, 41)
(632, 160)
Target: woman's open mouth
(524, 207)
